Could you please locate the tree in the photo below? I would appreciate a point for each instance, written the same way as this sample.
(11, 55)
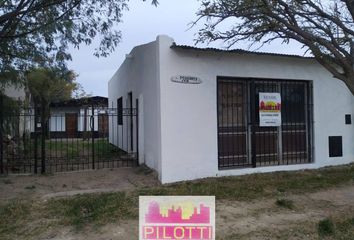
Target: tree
(325, 28)
(38, 32)
(48, 85)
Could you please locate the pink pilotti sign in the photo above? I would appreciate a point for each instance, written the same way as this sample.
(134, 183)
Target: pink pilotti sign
(176, 217)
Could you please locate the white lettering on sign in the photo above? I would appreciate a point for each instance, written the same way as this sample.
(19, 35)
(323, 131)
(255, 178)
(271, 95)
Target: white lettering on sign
(186, 79)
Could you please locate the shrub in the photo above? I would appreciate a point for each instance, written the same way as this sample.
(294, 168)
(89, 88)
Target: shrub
(326, 227)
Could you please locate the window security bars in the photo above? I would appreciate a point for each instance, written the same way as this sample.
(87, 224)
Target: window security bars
(242, 142)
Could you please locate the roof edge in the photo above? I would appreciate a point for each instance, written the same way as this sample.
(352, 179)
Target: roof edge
(237, 51)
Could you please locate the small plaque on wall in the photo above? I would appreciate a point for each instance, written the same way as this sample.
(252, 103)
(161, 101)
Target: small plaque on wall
(186, 79)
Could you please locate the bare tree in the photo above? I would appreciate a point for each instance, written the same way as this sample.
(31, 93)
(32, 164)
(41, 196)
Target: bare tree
(325, 28)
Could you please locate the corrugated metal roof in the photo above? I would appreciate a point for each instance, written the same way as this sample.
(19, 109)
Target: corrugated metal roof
(238, 51)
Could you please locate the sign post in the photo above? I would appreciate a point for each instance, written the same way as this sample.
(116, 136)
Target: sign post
(269, 109)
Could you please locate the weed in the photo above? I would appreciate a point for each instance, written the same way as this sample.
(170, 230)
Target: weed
(326, 227)
(285, 203)
(352, 221)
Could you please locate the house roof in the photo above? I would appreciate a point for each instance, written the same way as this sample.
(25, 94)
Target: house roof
(86, 101)
(238, 51)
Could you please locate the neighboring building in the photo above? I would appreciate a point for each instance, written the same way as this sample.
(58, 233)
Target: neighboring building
(199, 111)
(75, 117)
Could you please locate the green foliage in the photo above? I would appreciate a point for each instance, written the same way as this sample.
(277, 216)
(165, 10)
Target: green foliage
(326, 227)
(325, 28)
(50, 84)
(39, 32)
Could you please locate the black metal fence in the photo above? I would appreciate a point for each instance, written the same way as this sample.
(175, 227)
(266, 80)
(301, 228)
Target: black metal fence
(244, 143)
(71, 139)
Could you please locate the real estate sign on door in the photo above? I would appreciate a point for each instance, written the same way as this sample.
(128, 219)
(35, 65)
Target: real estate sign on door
(269, 109)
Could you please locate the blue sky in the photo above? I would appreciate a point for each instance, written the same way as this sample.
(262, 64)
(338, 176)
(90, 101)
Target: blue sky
(141, 24)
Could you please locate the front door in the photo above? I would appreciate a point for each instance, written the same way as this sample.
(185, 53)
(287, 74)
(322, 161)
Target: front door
(103, 125)
(71, 125)
(242, 142)
(265, 140)
(232, 121)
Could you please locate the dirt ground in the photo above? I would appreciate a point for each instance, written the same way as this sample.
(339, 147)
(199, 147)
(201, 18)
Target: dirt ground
(259, 219)
(66, 184)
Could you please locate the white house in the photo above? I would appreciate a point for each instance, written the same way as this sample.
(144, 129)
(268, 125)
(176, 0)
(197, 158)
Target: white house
(204, 112)
(75, 117)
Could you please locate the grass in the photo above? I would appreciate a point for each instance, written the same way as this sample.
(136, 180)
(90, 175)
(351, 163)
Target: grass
(345, 228)
(97, 209)
(328, 228)
(12, 217)
(100, 209)
(336, 228)
(75, 148)
(103, 208)
(251, 187)
(285, 203)
(66, 148)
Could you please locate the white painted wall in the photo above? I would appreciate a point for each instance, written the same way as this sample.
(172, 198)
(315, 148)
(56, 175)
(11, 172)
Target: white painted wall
(138, 74)
(57, 119)
(57, 122)
(189, 117)
(180, 120)
(82, 119)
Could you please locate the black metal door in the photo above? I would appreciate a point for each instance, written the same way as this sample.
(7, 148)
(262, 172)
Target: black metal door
(242, 142)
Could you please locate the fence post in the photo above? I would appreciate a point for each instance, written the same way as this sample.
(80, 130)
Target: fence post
(43, 137)
(253, 122)
(35, 139)
(1, 135)
(137, 131)
(92, 135)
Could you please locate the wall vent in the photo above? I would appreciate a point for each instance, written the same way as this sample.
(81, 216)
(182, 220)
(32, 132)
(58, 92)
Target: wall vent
(335, 146)
(348, 119)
